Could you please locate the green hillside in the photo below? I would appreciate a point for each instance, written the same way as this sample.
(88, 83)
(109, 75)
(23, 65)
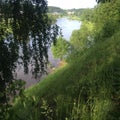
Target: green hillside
(87, 88)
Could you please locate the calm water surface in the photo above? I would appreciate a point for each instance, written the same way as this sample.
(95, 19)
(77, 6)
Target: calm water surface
(68, 26)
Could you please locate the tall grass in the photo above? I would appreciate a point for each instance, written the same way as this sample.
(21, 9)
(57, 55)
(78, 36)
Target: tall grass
(88, 88)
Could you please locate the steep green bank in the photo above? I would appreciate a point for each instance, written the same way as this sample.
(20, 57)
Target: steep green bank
(88, 88)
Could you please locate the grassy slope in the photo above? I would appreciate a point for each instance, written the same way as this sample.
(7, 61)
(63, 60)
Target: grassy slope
(92, 80)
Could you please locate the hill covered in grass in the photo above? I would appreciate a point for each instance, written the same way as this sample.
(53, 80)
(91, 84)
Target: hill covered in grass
(88, 88)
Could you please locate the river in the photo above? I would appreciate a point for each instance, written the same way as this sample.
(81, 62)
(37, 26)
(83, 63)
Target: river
(67, 27)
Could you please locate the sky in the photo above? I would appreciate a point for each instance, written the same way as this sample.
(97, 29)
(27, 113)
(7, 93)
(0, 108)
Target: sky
(69, 4)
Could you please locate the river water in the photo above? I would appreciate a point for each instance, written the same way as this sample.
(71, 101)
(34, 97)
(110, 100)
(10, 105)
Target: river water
(67, 27)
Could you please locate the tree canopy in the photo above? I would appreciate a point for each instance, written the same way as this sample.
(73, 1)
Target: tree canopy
(61, 49)
(102, 1)
(26, 34)
(83, 38)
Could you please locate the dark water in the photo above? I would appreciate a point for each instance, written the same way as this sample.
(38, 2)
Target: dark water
(67, 26)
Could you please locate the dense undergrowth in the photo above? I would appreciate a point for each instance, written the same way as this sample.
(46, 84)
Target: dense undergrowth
(88, 88)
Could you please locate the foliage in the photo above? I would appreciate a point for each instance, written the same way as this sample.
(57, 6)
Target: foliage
(107, 18)
(87, 15)
(26, 34)
(52, 18)
(78, 12)
(103, 1)
(61, 49)
(83, 38)
(52, 9)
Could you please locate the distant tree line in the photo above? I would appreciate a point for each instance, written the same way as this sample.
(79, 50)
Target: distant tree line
(52, 9)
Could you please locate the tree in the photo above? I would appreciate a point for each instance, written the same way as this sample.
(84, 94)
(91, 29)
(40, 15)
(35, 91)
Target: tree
(87, 15)
(106, 19)
(25, 36)
(61, 49)
(83, 38)
(102, 1)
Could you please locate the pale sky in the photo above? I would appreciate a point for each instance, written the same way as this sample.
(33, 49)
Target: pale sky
(69, 4)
